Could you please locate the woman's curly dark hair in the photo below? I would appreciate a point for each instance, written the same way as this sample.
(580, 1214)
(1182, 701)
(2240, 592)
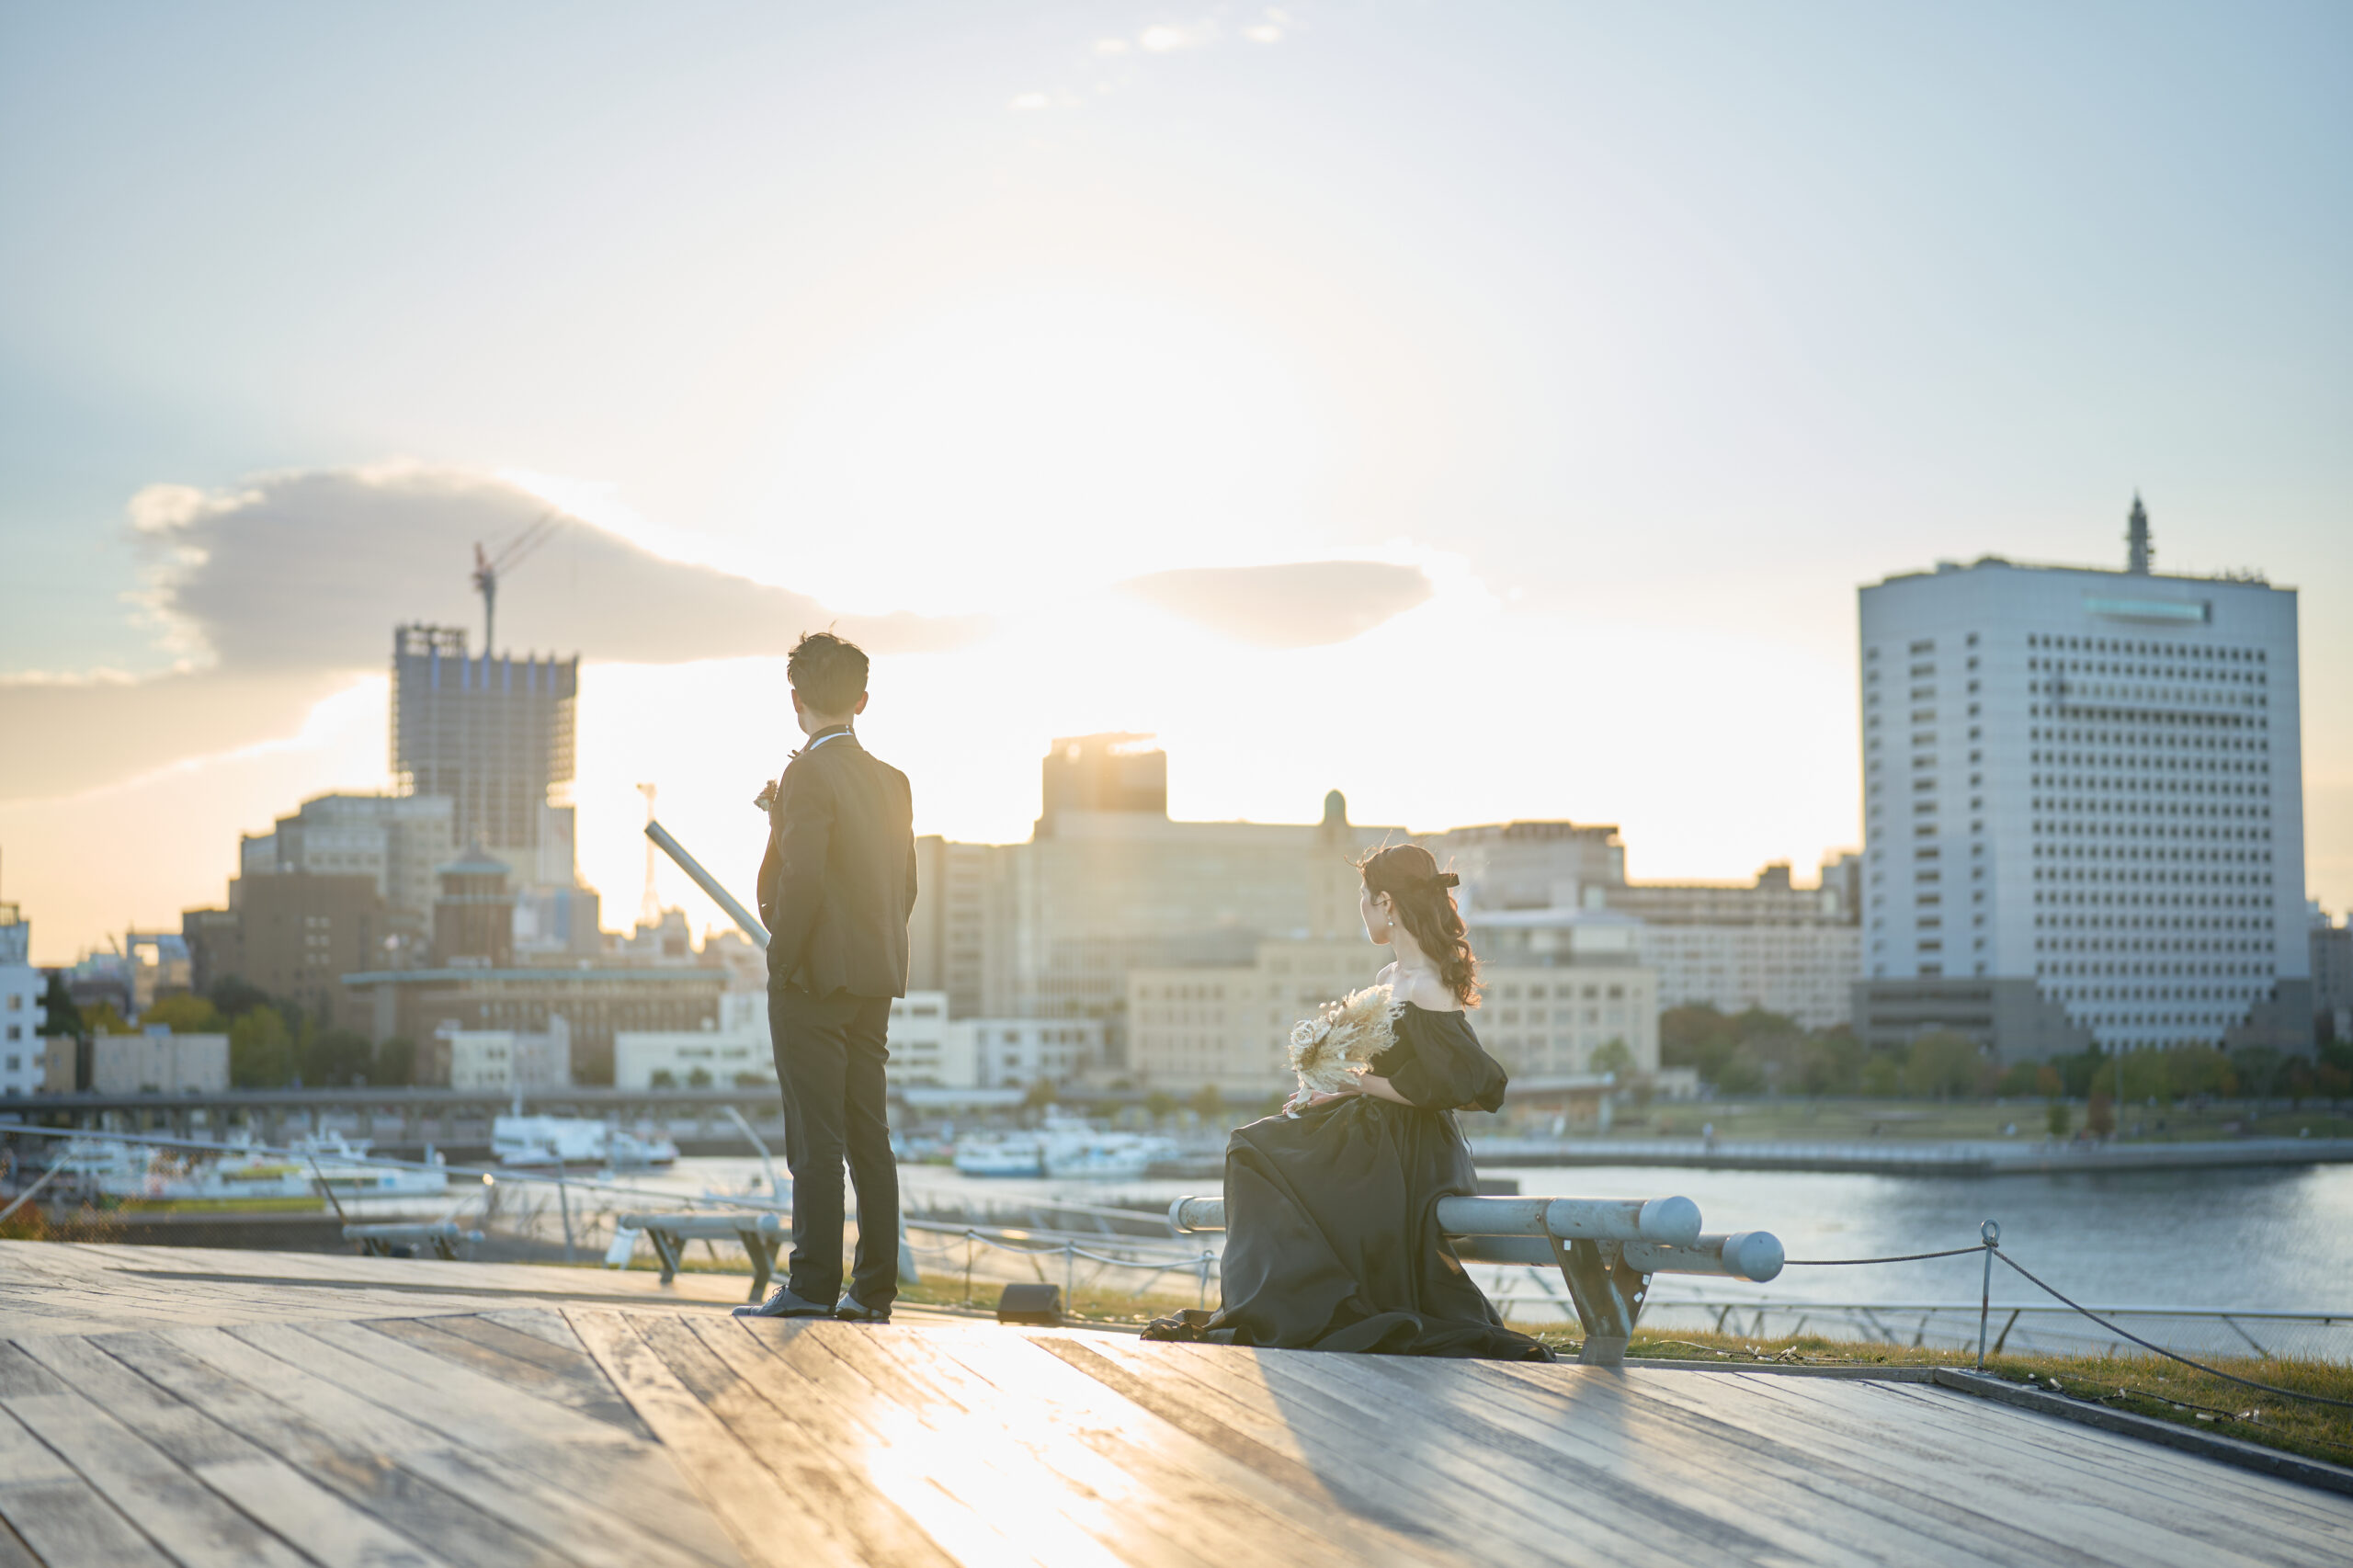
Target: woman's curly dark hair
(1423, 898)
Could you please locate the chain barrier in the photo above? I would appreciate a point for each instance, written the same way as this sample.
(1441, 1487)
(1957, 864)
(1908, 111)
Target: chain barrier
(1992, 1247)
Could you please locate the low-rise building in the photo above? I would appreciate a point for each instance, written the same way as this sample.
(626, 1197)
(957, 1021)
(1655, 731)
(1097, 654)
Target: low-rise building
(1017, 1053)
(1548, 1007)
(927, 1051)
(503, 1059)
(158, 1062)
(21, 1012)
(597, 1003)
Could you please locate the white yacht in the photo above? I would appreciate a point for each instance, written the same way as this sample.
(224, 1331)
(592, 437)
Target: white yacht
(999, 1155)
(548, 1140)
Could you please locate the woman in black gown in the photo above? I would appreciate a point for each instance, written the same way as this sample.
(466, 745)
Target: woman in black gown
(1332, 1233)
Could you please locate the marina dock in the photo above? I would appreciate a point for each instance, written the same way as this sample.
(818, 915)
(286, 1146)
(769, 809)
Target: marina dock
(198, 1407)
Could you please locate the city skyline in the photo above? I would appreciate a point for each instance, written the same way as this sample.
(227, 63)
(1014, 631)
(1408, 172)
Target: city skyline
(1255, 381)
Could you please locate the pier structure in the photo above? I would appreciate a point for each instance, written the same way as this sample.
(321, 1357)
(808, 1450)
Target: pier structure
(189, 1407)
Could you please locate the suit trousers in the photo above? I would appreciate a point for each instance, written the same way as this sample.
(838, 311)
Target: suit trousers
(829, 1056)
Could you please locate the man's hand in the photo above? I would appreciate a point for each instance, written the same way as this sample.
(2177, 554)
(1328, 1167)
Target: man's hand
(765, 799)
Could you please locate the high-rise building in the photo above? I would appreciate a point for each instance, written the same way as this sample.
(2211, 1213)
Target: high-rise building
(399, 840)
(2082, 808)
(494, 734)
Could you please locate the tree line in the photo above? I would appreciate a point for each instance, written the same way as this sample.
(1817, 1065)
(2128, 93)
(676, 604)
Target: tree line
(1761, 1052)
(274, 1043)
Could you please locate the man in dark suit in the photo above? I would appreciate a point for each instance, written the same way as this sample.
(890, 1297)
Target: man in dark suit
(835, 889)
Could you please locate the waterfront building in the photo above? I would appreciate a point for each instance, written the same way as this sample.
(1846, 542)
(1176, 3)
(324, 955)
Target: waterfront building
(401, 841)
(735, 1050)
(157, 1062)
(2083, 805)
(1771, 944)
(1109, 883)
(501, 1060)
(296, 934)
(2332, 963)
(596, 1001)
(22, 1048)
(494, 734)
(474, 915)
(1013, 1053)
(1559, 986)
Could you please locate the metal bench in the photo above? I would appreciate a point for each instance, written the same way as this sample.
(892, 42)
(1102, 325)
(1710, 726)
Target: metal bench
(381, 1241)
(760, 1233)
(1606, 1249)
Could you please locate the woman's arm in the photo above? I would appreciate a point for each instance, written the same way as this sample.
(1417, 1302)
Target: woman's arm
(1381, 1089)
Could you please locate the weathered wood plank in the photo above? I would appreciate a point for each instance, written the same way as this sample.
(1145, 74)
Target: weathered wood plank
(791, 1437)
(491, 1350)
(1563, 1507)
(603, 1467)
(892, 1444)
(1926, 1505)
(1266, 1448)
(238, 1425)
(768, 1523)
(532, 1484)
(1059, 1409)
(181, 1514)
(1839, 1425)
(62, 1517)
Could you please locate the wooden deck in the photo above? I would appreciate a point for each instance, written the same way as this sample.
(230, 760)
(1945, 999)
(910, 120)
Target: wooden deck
(173, 1407)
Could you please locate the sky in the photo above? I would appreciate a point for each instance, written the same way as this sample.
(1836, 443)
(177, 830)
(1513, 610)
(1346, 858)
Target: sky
(1488, 410)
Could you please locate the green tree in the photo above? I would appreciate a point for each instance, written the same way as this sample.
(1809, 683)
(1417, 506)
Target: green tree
(333, 1057)
(1943, 1064)
(661, 1078)
(1611, 1056)
(2059, 1120)
(699, 1079)
(1833, 1062)
(2257, 1068)
(2099, 1116)
(1696, 1036)
(102, 1019)
(2018, 1078)
(60, 1016)
(1883, 1075)
(1160, 1105)
(183, 1013)
(261, 1051)
(236, 996)
(1040, 1094)
(395, 1065)
(1208, 1104)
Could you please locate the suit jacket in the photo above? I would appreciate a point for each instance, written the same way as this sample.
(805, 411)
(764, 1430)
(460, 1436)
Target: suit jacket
(838, 880)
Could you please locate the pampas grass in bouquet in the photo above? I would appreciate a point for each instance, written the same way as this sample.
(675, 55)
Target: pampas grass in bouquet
(1331, 1051)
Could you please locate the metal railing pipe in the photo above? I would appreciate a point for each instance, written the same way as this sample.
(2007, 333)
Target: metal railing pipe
(1742, 1255)
(709, 883)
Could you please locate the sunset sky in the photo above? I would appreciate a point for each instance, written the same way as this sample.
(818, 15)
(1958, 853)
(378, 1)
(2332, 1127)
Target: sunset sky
(1023, 340)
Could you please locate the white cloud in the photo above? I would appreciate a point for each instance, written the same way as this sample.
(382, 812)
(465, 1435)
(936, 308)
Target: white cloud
(1027, 101)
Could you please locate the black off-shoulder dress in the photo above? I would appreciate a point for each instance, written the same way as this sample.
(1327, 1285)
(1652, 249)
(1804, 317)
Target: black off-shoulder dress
(1332, 1236)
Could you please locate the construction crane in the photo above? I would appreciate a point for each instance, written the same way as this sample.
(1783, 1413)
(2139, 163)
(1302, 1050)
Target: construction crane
(488, 567)
(649, 909)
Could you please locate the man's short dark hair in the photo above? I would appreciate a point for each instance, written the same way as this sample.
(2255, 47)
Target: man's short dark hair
(829, 672)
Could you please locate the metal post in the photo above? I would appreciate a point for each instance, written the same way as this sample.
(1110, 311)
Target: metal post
(1993, 1234)
(1070, 1273)
(564, 1201)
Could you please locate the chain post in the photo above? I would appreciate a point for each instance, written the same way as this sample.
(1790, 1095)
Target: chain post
(1993, 1234)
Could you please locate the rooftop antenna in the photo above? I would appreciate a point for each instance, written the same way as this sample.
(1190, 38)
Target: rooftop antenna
(2136, 539)
(510, 555)
(649, 911)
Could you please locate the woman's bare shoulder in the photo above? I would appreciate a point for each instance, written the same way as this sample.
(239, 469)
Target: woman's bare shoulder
(1428, 993)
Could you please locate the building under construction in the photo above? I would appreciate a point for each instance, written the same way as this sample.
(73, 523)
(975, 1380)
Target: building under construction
(494, 734)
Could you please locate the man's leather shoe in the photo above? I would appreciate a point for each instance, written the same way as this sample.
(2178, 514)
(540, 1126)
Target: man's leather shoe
(850, 1311)
(785, 1304)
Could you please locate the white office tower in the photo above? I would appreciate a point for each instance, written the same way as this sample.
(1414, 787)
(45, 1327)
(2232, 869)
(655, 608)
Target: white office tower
(2083, 810)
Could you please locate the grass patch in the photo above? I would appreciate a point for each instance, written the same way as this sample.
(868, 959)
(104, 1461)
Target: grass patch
(2141, 1386)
